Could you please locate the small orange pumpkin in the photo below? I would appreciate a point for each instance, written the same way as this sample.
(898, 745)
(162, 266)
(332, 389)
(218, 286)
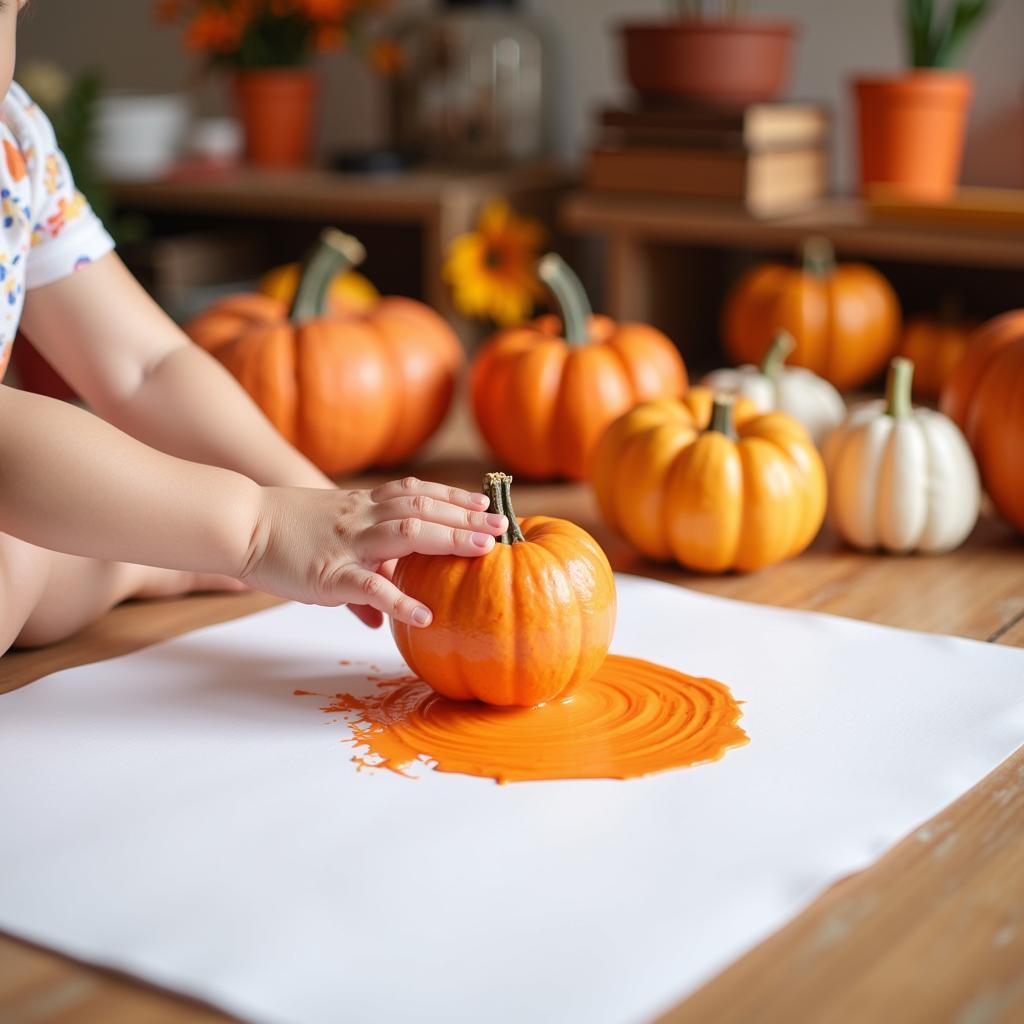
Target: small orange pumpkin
(984, 396)
(527, 623)
(543, 393)
(709, 482)
(844, 318)
(348, 391)
(935, 345)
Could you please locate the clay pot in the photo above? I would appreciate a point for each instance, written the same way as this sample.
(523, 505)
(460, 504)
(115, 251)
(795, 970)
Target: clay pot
(911, 132)
(728, 62)
(277, 108)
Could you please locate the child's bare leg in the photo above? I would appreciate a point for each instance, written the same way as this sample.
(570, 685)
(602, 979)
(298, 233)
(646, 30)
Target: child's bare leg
(46, 596)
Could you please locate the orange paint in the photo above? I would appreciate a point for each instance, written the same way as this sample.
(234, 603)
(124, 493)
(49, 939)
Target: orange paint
(633, 718)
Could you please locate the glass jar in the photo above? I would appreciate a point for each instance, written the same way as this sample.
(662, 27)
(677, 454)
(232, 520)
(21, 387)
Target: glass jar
(470, 86)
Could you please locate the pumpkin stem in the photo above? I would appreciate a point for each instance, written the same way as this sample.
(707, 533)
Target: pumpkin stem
(897, 388)
(334, 253)
(818, 256)
(721, 416)
(778, 352)
(570, 297)
(498, 487)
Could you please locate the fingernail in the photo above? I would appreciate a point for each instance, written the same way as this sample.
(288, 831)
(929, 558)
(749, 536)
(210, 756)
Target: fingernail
(421, 617)
(483, 540)
(480, 499)
(498, 521)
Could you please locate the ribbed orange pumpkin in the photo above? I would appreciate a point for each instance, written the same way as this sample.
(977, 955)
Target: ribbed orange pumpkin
(984, 396)
(348, 391)
(710, 483)
(845, 318)
(527, 623)
(935, 345)
(541, 400)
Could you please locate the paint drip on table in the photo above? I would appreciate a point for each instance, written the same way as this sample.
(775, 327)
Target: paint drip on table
(632, 718)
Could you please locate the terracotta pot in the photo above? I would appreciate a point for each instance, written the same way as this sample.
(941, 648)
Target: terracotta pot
(727, 62)
(277, 108)
(911, 131)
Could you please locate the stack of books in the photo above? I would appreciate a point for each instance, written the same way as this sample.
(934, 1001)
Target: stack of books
(770, 157)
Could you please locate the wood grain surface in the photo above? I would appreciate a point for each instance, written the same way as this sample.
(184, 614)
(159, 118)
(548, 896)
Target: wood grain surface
(934, 931)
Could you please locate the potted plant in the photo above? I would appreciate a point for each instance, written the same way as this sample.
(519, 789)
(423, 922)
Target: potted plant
(712, 52)
(268, 46)
(911, 125)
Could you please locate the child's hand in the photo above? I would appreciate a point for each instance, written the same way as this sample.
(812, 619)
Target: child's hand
(329, 547)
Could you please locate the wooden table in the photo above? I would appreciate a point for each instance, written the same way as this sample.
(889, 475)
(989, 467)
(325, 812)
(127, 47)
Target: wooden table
(635, 226)
(934, 931)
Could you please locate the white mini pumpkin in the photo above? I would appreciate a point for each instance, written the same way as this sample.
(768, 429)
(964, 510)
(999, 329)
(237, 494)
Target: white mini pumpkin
(791, 389)
(900, 478)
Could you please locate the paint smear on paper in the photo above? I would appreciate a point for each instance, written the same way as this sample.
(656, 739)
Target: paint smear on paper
(633, 718)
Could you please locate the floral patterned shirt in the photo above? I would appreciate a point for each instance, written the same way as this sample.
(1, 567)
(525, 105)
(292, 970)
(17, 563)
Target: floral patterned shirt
(47, 229)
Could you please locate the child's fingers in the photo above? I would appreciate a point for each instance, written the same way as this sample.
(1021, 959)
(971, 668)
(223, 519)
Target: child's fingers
(410, 486)
(370, 588)
(400, 537)
(444, 513)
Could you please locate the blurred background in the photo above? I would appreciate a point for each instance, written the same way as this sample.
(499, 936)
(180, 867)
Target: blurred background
(665, 148)
(837, 40)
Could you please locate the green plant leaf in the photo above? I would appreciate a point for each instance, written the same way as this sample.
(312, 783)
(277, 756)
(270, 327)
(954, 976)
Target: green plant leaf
(964, 20)
(919, 16)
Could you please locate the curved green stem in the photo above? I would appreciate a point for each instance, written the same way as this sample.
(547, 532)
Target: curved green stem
(897, 388)
(818, 256)
(721, 416)
(334, 253)
(498, 487)
(570, 296)
(778, 352)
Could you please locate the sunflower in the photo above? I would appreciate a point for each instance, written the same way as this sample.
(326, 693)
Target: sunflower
(493, 270)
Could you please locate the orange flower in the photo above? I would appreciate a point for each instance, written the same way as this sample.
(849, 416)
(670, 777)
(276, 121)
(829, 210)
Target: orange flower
(326, 10)
(327, 38)
(219, 31)
(386, 56)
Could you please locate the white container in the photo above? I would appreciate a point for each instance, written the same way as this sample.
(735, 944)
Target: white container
(217, 139)
(137, 136)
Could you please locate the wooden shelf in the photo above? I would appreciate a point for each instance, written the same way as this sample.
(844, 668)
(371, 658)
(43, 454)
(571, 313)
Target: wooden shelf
(846, 222)
(441, 203)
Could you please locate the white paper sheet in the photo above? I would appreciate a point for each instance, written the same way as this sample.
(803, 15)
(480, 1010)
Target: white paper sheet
(180, 815)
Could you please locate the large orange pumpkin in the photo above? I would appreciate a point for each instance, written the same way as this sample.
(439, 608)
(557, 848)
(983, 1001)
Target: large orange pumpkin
(543, 393)
(985, 397)
(527, 623)
(348, 391)
(845, 318)
(709, 482)
(935, 345)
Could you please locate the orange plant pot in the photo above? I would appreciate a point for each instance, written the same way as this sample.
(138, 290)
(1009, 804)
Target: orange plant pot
(911, 131)
(277, 108)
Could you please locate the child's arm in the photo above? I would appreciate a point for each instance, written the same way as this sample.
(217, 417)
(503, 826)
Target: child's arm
(134, 366)
(71, 482)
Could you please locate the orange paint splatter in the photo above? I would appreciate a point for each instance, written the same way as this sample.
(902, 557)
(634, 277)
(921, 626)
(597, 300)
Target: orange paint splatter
(633, 718)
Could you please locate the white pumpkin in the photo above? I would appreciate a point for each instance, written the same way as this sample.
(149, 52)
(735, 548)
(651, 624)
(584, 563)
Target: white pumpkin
(901, 478)
(791, 389)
